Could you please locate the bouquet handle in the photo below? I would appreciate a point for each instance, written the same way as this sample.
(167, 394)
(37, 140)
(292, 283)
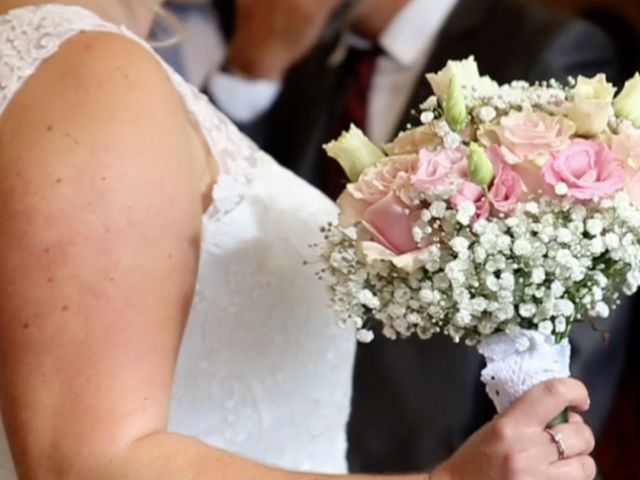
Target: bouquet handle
(517, 362)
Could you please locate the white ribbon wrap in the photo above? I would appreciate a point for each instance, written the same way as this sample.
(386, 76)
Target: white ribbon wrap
(519, 361)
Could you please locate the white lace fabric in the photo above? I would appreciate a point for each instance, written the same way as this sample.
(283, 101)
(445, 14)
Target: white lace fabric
(263, 371)
(518, 362)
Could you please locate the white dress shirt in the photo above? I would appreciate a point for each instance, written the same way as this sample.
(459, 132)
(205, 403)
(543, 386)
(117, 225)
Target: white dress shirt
(203, 47)
(407, 43)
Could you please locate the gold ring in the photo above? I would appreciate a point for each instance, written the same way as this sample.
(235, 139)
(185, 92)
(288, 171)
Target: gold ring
(557, 439)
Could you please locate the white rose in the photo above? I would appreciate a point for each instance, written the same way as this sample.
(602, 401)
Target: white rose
(591, 105)
(465, 71)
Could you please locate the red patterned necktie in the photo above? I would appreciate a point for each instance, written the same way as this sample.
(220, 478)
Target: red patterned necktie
(361, 64)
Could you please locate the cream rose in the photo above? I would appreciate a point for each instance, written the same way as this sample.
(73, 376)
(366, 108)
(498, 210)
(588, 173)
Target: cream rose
(528, 136)
(591, 107)
(390, 175)
(466, 71)
(414, 140)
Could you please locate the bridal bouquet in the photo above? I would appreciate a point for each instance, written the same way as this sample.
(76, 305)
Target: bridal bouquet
(511, 213)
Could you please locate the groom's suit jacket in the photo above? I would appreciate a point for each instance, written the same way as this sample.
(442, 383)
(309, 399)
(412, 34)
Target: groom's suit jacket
(415, 401)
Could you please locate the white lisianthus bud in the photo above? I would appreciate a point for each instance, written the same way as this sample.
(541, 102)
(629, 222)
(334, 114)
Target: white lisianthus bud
(627, 103)
(354, 151)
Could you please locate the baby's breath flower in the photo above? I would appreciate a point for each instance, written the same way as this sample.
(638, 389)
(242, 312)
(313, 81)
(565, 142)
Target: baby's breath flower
(594, 226)
(527, 310)
(546, 327)
(601, 310)
(437, 209)
(364, 336)
(368, 299)
(561, 188)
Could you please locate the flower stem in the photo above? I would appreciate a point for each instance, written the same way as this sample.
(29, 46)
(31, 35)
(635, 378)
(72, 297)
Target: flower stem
(560, 419)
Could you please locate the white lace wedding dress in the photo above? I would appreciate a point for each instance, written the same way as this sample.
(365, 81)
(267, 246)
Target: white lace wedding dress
(263, 370)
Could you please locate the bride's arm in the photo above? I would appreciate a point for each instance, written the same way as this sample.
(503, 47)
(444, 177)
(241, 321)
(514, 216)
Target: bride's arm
(100, 209)
(100, 219)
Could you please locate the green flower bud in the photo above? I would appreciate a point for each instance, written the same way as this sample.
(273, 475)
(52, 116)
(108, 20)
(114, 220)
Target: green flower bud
(455, 109)
(627, 104)
(480, 167)
(354, 151)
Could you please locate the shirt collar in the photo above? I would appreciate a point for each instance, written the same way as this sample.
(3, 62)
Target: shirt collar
(414, 30)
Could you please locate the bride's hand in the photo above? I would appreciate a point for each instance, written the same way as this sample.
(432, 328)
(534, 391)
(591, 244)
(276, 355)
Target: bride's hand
(515, 445)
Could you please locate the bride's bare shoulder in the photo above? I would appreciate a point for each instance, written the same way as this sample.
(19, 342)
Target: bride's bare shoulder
(100, 99)
(95, 75)
(98, 128)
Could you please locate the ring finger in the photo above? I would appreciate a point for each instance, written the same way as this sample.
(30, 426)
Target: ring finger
(573, 438)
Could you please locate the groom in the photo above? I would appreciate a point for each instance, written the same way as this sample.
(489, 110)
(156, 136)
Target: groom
(414, 401)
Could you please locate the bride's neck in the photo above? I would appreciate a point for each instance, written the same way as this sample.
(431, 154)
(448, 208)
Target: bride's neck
(137, 15)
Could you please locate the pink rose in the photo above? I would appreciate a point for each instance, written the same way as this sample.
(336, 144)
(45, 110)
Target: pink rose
(471, 192)
(528, 136)
(626, 145)
(588, 168)
(434, 169)
(389, 175)
(351, 209)
(632, 186)
(531, 176)
(391, 222)
(507, 186)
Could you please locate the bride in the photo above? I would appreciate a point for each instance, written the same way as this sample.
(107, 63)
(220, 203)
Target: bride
(156, 321)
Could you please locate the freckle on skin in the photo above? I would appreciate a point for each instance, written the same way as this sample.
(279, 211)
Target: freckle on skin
(49, 280)
(65, 308)
(25, 326)
(49, 128)
(75, 140)
(58, 180)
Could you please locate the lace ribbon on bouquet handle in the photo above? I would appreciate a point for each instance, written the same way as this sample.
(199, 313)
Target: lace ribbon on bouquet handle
(517, 362)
